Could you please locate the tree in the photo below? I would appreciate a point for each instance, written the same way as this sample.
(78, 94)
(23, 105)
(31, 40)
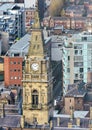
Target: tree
(55, 7)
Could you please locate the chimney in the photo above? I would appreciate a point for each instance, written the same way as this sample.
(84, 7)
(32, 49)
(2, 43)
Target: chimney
(69, 124)
(91, 113)
(51, 125)
(22, 121)
(72, 113)
(90, 123)
(58, 121)
(3, 111)
(78, 121)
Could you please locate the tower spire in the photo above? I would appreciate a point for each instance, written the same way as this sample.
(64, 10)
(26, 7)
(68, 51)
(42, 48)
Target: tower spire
(36, 46)
(36, 24)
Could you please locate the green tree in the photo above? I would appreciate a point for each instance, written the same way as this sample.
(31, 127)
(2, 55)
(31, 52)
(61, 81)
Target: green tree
(55, 7)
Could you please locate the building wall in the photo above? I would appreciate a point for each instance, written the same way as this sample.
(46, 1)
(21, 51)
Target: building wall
(69, 103)
(29, 3)
(77, 59)
(29, 18)
(12, 71)
(79, 103)
(89, 77)
(75, 103)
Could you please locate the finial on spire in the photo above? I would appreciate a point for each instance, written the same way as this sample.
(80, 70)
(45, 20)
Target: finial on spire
(36, 24)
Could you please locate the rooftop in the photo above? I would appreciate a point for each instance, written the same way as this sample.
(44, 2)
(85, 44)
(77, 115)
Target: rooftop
(21, 45)
(9, 6)
(76, 90)
(5, 7)
(63, 124)
(10, 121)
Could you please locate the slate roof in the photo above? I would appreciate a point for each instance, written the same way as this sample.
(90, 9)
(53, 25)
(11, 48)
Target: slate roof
(76, 90)
(10, 121)
(22, 44)
(84, 124)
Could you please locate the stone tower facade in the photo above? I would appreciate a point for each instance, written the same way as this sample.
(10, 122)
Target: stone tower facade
(37, 80)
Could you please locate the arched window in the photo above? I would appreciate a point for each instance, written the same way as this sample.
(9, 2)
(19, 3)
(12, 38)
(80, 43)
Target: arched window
(35, 97)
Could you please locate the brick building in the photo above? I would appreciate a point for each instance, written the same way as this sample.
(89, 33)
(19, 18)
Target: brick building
(13, 71)
(75, 98)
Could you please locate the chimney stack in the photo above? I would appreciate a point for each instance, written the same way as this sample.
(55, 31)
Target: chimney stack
(72, 113)
(51, 125)
(90, 112)
(90, 124)
(78, 121)
(58, 121)
(22, 121)
(3, 111)
(69, 124)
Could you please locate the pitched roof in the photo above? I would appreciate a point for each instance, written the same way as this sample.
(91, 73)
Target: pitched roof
(10, 121)
(76, 90)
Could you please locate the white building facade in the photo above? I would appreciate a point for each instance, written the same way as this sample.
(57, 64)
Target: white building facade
(29, 3)
(77, 58)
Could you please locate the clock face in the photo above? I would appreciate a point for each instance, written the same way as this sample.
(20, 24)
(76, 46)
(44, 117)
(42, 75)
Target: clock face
(35, 66)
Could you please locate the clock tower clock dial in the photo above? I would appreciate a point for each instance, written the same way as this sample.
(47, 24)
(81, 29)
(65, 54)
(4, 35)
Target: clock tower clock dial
(35, 66)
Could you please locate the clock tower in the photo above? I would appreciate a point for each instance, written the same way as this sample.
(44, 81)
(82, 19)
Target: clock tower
(37, 80)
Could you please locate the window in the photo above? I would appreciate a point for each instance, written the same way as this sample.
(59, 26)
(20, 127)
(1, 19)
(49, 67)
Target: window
(76, 52)
(76, 75)
(34, 119)
(34, 47)
(80, 52)
(68, 70)
(88, 69)
(78, 64)
(38, 46)
(84, 38)
(11, 62)
(59, 45)
(78, 101)
(34, 98)
(81, 75)
(15, 77)
(36, 37)
(11, 77)
(17, 54)
(81, 69)
(19, 77)
(68, 58)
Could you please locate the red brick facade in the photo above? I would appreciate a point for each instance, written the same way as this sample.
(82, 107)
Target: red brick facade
(68, 23)
(12, 71)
